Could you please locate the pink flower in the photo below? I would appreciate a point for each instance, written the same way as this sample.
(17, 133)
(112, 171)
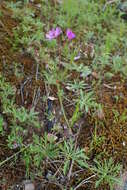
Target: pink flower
(58, 31)
(54, 33)
(50, 35)
(70, 34)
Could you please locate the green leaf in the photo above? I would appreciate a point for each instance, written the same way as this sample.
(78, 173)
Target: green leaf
(86, 71)
(1, 124)
(66, 167)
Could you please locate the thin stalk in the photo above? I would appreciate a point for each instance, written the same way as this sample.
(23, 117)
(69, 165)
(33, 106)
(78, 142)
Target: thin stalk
(61, 105)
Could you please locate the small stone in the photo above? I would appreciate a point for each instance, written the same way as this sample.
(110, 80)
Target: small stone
(28, 185)
(124, 143)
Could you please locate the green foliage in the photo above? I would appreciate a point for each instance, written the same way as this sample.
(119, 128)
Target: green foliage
(15, 138)
(22, 115)
(19, 117)
(76, 115)
(87, 101)
(70, 10)
(1, 14)
(70, 153)
(30, 29)
(76, 85)
(111, 41)
(7, 95)
(96, 140)
(43, 149)
(1, 125)
(54, 74)
(13, 5)
(107, 172)
(84, 70)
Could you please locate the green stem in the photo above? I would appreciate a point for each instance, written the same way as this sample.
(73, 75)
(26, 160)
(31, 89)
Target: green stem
(61, 105)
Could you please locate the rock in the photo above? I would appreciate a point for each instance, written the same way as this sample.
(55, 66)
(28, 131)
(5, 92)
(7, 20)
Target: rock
(28, 185)
(123, 185)
(24, 185)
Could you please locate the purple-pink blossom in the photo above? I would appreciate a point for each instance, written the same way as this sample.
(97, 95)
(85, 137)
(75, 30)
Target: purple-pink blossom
(58, 31)
(70, 34)
(54, 33)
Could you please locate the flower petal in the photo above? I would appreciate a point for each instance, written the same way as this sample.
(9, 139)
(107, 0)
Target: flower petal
(70, 34)
(54, 33)
(51, 34)
(58, 31)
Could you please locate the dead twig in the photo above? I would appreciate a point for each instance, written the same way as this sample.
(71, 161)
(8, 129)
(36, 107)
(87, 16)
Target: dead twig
(22, 89)
(84, 181)
(37, 71)
(112, 88)
(36, 97)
